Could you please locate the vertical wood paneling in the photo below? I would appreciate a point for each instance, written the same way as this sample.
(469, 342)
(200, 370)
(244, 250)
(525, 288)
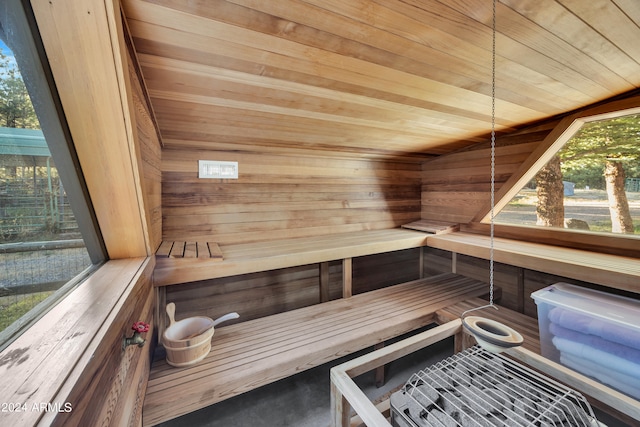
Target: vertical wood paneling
(284, 196)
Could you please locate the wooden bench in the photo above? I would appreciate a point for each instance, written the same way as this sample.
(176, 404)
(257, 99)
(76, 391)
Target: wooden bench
(614, 271)
(182, 266)
(248, 355)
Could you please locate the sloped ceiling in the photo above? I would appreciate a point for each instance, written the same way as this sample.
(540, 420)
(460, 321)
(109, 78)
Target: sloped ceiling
(374, 78)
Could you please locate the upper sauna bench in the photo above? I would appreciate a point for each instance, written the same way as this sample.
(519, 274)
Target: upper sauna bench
(613, 271)
(182, 262)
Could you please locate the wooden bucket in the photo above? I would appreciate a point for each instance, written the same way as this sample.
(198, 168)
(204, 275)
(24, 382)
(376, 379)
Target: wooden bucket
(188, 341)
(187, 356)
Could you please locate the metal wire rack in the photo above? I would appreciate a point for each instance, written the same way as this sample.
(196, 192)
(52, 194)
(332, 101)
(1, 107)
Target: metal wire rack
(478, 388)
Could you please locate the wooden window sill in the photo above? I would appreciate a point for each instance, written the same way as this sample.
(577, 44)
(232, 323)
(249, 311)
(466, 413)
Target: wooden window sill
(44, 364)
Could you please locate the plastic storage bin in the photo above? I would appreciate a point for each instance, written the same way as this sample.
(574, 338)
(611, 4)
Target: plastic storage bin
(592, 332)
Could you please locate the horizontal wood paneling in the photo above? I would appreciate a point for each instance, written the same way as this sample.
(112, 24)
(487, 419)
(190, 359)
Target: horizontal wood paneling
(436, 261)
(261, 294)
(456, 187)
(381, 270)
(279, 197)
(384, 78)
(506, 277)
(251, 296)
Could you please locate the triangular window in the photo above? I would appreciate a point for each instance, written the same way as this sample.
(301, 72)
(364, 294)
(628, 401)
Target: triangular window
(590, 183)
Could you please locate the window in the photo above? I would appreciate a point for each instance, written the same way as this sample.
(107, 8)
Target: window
(49, 240)
(592, 183)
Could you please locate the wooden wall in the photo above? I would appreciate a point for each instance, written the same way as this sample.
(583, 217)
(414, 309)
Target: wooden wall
(111, 388)
(261, 294)
(148, 143)
(282, 196)
(456, 187)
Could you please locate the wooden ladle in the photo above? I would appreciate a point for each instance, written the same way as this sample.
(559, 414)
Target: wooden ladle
(171, 312)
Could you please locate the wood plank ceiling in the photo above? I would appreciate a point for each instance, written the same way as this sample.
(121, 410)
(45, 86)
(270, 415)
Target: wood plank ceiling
(387, 78)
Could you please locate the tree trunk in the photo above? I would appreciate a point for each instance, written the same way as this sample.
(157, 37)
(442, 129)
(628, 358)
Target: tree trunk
(621, 221)
(550, 191)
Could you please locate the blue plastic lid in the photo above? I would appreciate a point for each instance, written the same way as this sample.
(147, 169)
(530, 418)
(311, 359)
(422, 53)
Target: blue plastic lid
(615, 308)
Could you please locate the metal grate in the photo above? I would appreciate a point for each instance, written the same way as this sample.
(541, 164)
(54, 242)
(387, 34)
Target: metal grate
(478, 388)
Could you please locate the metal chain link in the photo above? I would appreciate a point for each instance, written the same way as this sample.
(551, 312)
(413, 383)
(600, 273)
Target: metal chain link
(493, 153)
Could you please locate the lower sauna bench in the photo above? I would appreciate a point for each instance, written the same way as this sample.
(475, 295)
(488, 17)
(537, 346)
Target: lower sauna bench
(247, 355)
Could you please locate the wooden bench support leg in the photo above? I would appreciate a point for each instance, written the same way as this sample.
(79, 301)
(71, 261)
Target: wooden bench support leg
(458, 342)
(380, 370)
(347, 278)
(454, 262)
(324, 281)
(160, 311)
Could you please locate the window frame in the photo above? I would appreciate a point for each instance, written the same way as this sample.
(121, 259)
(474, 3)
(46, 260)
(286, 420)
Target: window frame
(34, 66)
(19, 31)
(568, 126)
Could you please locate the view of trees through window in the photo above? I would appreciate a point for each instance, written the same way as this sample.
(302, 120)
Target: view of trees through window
(41, 248)
(591, 183)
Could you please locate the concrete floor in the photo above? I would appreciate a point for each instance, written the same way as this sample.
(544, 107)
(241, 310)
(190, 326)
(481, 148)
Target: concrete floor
(304, 399)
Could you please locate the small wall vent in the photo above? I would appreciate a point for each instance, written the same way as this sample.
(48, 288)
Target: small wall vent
(217, 169)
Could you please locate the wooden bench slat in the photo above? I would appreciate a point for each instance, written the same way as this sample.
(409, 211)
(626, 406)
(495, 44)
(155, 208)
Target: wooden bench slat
(253, 353)
(432, 226)
(214, 251)
(282, 338)
(319, 243)
(370, 304)
(203, 250)
(190, 250)
(177, 250)
(306, 322)
(164, 249)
